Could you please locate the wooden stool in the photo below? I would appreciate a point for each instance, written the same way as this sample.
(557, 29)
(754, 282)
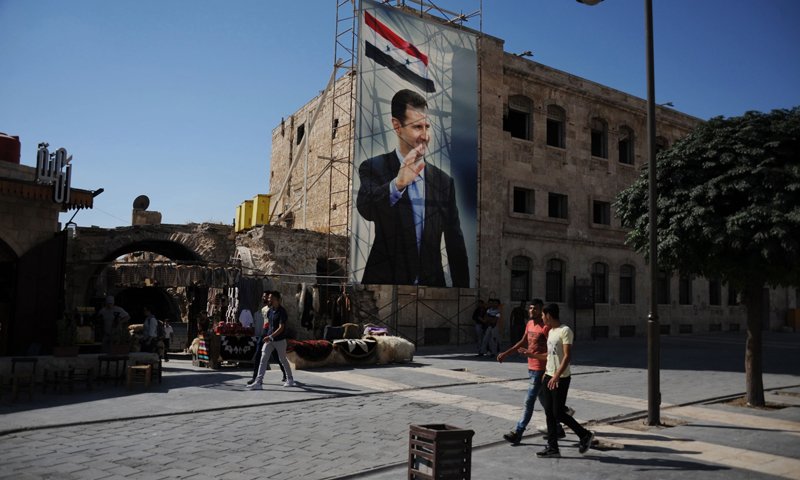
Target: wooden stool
(105, 361)
(157, 368)
(20, 379)
(140, 374)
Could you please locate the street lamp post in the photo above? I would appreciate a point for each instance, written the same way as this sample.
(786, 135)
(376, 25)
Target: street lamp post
(653, 327)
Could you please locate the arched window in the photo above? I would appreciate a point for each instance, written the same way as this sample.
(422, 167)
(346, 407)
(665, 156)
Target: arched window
(600, 282)
(554, 281)
(663, 287)
(520, 278)
(625, 145)
(685, 290)
(627, 284)
(556, 126)
(714, 291)
(599, 138)
(519, 119)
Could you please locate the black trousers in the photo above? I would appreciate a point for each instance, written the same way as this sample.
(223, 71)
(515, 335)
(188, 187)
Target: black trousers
(553, 402)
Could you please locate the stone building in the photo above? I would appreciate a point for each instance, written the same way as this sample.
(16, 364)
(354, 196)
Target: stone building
(555, 149)
(32, 246)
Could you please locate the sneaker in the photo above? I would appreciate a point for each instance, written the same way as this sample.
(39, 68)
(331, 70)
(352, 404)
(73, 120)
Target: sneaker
(569, 411)
(561, 433)
(251, 381)
(283, 379)
(549, 453)
(254, 386)
(289, 383)
(513, 437)
(586, 442)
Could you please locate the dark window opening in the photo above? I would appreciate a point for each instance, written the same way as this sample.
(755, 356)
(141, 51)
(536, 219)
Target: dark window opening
(523, 200)
(556, 205)
(520, 278)
(554, 281)
(626, 285)
(685, 290)
(601, 213)
(600, 282)
(625, 146)
(518, 124)
(599, 138)
(301, 132)
(662, 286)
(556, 120)
(714, 292)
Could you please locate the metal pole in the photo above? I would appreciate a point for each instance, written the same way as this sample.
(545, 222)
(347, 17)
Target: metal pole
(653, 328)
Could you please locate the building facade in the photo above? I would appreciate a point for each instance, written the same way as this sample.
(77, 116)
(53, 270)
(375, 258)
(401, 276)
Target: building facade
(32, 247)
(555, 150)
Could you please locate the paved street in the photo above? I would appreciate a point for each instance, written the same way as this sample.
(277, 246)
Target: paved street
(354, 422)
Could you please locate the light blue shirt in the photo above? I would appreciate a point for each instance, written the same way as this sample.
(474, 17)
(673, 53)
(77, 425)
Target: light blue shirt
(416, 193)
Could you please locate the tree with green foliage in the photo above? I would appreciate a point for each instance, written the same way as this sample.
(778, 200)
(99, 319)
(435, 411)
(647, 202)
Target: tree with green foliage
(728, 207)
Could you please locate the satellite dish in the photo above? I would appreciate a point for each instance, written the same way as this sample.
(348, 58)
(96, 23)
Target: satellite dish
(141, 202)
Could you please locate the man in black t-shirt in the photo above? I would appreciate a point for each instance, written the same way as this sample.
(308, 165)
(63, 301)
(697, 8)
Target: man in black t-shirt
(274, 340)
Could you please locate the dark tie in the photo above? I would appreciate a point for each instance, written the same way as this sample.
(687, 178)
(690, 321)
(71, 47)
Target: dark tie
(418, 207)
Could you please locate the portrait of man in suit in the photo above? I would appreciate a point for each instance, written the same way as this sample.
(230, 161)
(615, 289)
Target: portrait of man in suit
(412, 204)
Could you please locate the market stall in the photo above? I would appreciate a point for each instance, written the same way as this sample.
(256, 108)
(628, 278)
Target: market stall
(228, 342)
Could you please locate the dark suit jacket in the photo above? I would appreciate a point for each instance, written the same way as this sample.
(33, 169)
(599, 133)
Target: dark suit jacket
(393, 258)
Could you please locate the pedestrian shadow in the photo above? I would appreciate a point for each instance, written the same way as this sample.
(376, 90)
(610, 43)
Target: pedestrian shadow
(325, 389)
(320, 389)
(637, 436)
(738, 427)
(658, 464)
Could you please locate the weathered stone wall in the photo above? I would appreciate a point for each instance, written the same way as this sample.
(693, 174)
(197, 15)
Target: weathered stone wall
(289, 257)
(322, 169)
(25, 223)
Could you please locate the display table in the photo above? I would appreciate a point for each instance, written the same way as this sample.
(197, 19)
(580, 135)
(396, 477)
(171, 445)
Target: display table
(211, 350)
(237, 348)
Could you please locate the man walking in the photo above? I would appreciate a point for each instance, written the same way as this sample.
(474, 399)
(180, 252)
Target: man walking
(275, 340)
(532, 343)
(556, 380)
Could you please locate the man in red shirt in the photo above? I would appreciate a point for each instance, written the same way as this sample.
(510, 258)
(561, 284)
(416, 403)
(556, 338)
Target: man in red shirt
(532, 343)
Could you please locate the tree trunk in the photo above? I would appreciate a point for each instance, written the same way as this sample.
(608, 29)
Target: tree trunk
(753, 301)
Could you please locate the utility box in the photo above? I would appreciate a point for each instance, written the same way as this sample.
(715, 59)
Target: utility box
(244, 216)
(439, 452)
(261, 209)
(237, 220)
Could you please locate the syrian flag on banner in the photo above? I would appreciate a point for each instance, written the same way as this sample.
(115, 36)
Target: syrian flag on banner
(389, 49)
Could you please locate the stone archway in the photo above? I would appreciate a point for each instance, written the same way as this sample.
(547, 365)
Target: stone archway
(93, 249)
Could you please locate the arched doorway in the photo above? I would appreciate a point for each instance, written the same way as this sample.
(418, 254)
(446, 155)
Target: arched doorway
(149, 273)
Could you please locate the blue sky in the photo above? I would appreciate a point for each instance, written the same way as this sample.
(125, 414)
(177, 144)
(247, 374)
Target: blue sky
(177, 99)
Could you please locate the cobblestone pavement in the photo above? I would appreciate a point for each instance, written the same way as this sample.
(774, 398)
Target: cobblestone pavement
(354, 422)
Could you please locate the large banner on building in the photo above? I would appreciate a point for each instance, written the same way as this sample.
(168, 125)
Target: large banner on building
(416, 152)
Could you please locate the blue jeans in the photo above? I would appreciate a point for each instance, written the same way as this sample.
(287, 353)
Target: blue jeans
(535, 385)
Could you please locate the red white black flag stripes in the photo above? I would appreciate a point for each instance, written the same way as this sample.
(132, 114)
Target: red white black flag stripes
(392, 51)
